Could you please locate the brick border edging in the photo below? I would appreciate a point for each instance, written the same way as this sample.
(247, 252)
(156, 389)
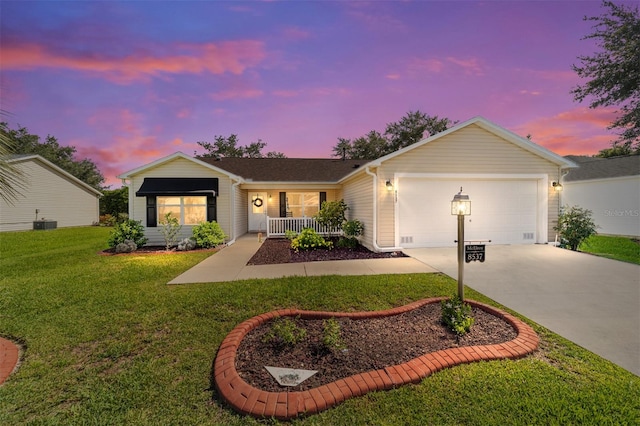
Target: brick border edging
(246, 399)
(9, 356)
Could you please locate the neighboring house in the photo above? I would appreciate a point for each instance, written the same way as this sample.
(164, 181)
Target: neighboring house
(610, 188)
(51, 194)
(403, 199)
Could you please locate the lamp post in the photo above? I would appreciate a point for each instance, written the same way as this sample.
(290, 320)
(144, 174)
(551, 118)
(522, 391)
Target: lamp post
(461, 207)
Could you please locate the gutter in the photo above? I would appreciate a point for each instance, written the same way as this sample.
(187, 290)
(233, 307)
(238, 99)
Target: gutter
(375, 215)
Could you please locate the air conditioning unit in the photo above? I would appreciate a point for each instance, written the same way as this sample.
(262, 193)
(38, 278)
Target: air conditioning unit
(45, 224)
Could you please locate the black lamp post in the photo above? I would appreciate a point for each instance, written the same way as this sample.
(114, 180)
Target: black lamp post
(461, 207)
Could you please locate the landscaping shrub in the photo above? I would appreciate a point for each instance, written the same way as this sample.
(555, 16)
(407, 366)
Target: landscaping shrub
(290, 235)
(285, 332)
(352, 229)
(331, 337)
(309, 239)
(127, 230)
(170, 228)
(456, 315)
(208, 234)
(574, 225)
(332, 214)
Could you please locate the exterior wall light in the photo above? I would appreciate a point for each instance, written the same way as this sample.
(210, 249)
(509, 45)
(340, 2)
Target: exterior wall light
(389, 185)
(461, 207)
(557, 186)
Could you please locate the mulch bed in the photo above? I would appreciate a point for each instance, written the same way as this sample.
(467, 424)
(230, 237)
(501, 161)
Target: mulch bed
(278, 250)
(370, 344)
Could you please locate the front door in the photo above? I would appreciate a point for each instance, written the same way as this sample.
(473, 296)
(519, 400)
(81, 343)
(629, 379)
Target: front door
(257, 212)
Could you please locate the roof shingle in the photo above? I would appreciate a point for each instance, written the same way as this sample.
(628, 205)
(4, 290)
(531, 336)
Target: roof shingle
(287, 169)
(602, 168)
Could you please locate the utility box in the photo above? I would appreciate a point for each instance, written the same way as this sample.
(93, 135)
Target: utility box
(45, 224)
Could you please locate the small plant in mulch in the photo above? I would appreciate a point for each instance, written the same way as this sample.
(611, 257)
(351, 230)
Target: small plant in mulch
(285, 333)
(456, 315)
(309, 239)
(169, 228)
(331, 335)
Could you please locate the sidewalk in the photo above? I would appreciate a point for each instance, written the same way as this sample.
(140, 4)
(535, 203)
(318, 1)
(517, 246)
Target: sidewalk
(230, 264)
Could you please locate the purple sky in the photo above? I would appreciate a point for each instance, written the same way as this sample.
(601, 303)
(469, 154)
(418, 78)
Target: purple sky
(129, 82)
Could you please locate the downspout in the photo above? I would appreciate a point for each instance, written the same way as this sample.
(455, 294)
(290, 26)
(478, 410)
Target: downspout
(375, 215)
(233, 212)
(131, 208)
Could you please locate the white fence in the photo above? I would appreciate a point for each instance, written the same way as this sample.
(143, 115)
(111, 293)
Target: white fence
(277, 226)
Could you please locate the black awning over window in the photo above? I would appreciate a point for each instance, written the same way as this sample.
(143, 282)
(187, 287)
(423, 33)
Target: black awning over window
(178, 186)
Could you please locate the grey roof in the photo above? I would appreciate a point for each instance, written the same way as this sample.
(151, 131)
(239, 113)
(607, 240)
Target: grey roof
(287, 169)
(602, 168)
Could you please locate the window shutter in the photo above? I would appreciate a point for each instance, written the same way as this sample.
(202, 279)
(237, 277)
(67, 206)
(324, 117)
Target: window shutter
(152, 216)
(212, 210)
(283, 204)
(323, 198)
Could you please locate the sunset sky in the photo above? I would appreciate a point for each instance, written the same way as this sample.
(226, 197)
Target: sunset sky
(128, 82)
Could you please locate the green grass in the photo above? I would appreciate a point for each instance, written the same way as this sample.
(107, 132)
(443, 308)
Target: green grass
(108, 342)
(619, 248)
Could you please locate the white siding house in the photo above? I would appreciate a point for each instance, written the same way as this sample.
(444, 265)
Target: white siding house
(610, 188)
(49, 194)
(403, 199)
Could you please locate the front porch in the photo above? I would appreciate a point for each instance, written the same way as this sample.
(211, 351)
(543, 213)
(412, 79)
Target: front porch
(278, 226)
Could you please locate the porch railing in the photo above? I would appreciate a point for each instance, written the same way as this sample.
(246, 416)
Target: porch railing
(277, 226)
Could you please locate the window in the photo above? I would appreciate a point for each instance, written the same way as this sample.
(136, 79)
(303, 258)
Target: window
(301, 204)
(189, 210)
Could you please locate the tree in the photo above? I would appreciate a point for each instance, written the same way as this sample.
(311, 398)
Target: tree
(12, 180)
(614, 72)
(62, 156)
(410, 129)
(228, 147)
(115, 202)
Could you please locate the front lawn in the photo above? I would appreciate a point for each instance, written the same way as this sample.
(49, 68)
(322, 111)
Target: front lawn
(108, 342)
(619, 248)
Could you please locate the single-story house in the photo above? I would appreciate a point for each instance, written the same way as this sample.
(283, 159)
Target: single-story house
(610, 188)
(51, 197)
(403, 199)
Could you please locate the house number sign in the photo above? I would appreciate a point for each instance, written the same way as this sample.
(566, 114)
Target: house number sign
(473, 252)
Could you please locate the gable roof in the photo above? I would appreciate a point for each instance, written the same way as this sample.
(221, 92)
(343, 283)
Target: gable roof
(501, 132)
(603, 168)
(21, 158)
(287, 169)
(171, 157)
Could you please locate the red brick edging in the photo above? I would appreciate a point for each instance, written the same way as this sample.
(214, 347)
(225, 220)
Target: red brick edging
(9, 354)
(246, 399)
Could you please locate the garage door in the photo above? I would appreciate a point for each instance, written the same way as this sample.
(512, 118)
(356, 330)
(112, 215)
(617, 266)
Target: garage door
(503, 211)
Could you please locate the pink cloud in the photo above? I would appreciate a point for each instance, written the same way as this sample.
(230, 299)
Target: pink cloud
(216, 58)
(577, 131)
(429, 65)
(126, 144)
(237, 94)
(470, 65)
(286, 93)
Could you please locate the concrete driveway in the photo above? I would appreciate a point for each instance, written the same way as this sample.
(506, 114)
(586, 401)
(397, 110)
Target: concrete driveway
(592, 301)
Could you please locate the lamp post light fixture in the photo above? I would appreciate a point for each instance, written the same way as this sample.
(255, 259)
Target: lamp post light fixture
(461, 207)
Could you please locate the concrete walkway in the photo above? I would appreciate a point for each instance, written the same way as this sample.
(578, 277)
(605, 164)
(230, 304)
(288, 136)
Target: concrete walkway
(230, 264)
(592, 301)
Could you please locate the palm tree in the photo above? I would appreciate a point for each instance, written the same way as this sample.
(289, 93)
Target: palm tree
(12, 179)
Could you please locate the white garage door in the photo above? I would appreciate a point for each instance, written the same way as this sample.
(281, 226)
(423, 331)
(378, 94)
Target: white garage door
(503, 211)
